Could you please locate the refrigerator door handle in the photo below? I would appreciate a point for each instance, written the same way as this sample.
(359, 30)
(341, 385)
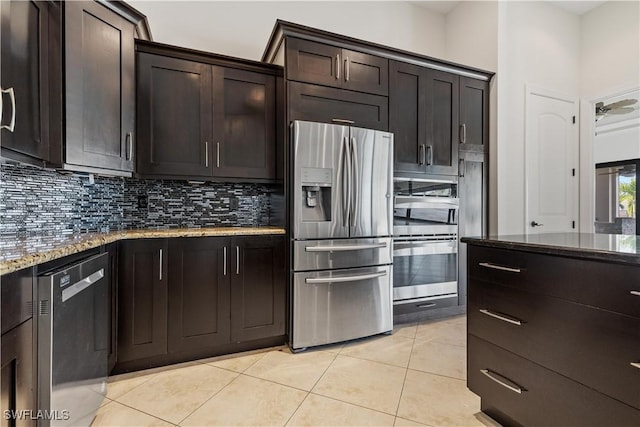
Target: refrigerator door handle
(342, 279)
(346, 182)
(354, 182)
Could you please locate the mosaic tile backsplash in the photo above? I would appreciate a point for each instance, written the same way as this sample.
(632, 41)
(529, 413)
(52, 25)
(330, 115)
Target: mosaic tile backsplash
(37, 201)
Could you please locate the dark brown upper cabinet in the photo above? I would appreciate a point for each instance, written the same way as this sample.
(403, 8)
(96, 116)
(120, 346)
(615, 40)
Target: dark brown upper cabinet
(99, 88)
(203, 116)
(24, 132)
(174, 117)
(328, 65)
(330, 105)
(474, 115)
(423, 117)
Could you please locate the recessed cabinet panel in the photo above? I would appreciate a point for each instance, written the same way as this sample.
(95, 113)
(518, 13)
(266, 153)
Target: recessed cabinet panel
(100, 91)
(244, 124)
(25, 77)
(474, 114)
(17, 390)
(365, 73)
(442, 107)
(312, 62)
(174, 117)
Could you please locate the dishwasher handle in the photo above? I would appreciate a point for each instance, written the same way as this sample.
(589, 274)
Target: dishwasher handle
(73, 290)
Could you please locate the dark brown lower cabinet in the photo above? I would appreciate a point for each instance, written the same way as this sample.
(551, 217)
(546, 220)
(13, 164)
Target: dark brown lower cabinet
(142, 299)
(17, 375)
(187, 298)
(257, 288)
(112, 249)
(198, 293)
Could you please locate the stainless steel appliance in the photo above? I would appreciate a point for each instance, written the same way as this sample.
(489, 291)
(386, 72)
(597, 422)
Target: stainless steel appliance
(342, 226)
(425, 246)
(73, 341)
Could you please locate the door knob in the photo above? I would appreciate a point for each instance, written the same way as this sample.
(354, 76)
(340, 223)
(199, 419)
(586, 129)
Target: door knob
(535, 224)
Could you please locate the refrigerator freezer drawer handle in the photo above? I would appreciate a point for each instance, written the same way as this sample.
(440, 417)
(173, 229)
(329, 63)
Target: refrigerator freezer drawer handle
(81, 285)
(343, 248)
(340, 279)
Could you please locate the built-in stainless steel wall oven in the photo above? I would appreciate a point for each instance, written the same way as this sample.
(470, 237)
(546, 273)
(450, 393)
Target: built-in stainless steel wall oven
(425, 245)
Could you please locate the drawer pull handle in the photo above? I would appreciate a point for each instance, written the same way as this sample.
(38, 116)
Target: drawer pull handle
(501, 317)
(636, 293)
(503, 381)
(499, 267)
(426, 305)
(635, 365)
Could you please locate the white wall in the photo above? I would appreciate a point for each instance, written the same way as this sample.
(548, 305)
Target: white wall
(538, 44)
(471, 38)
(242, 29)
(610, 64)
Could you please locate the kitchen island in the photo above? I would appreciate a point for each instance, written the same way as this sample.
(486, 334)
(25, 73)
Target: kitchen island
(554, 328)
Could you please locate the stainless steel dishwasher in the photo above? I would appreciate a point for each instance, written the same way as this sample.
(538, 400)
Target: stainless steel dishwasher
(73, 341)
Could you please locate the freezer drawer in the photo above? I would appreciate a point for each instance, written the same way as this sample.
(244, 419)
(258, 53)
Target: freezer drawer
(344, 253)
(339, 305)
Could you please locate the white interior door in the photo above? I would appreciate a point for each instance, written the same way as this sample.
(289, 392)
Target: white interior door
(551, 163)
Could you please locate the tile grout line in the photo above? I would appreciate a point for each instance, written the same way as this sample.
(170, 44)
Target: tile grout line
(352, 404)
(296, 410)
(143, 412)
(406, 372)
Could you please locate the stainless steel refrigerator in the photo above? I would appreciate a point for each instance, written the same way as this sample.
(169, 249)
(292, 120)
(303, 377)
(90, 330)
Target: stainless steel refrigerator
(342, 228)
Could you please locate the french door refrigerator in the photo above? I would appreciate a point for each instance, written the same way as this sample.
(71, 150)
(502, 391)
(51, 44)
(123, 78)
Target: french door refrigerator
(342, 228)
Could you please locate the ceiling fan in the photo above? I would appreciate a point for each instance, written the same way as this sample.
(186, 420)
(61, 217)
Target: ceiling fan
(618, 107)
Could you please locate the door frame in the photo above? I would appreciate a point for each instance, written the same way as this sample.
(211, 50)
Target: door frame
(535, 90)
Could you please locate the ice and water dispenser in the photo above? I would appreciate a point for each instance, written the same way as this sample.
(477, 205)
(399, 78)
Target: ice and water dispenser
(316, 198)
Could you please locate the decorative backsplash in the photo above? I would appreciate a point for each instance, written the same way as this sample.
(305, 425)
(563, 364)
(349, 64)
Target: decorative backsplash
(38, 201)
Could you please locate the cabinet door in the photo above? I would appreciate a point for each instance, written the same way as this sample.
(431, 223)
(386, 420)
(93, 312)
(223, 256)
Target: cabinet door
(244, 124)
(474, 114)
(258, 288)
(112, 249)
(17, 391)
(365, 73)
(313, 62)
(407, 116)
(142, 299)
(100, 92)
(174, 117)
(330, 105)
(442, 123)
(473, 212)
(24, 52)
(198, 293)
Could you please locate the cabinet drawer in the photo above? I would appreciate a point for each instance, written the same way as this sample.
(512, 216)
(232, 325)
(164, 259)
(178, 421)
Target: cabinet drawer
(516, 391)
(330, 254)
(331, 105)
(592, 346)
(598, 284)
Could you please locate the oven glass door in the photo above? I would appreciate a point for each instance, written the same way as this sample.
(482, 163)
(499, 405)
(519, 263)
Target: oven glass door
(424, 268)
(425, 208)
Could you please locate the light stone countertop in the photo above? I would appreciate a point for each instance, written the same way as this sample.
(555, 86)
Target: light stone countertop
(29, 251)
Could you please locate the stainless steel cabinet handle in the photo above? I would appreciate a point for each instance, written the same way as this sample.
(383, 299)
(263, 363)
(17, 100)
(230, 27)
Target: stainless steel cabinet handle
(503, 381)
(342, 279)
(345, 121)
(338, 66)
(356, 183)
(463, 133)
(160, 269)
(429, 155)
(636, 293)
(12, 124)
(128, 142)
(206, 154)
(499, 267)
(426, 305)
(340, 248)
(635, 365)
(237, 259)
(347, 66)
(421, 154)
(461, 168)
(224, 261)
(501, 317)
(217, 154)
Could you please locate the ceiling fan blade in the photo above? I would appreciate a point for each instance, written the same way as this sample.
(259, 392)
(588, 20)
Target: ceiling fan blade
(621, 110)
(623, 103)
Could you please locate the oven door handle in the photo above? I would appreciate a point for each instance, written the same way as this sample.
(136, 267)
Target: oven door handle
(339, 248)
(342, 279)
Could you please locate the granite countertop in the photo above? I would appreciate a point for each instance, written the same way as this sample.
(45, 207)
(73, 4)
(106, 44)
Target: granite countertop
(602, 247)
(30, 251)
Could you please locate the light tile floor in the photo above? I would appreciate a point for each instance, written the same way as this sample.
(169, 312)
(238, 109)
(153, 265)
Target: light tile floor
(414, 377)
